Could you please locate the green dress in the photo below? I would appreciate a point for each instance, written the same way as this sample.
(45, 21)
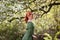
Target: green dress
(29, 31)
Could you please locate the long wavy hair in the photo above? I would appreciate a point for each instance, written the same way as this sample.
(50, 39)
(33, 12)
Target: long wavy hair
(27, 15)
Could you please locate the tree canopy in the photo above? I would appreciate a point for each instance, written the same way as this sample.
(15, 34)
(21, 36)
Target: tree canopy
(12, 12)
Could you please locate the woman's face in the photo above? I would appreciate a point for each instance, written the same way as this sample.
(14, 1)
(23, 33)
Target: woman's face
(29, 15)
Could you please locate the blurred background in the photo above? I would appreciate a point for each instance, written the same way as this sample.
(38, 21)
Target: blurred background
(46, 18)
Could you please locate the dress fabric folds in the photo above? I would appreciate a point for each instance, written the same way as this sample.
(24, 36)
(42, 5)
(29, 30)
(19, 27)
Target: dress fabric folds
(29, 31)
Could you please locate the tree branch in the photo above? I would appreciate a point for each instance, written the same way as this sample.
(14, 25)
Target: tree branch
(42, 8)
(50, 6)
(10, 20)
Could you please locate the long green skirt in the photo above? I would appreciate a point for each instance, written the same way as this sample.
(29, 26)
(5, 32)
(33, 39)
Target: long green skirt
(29, 31)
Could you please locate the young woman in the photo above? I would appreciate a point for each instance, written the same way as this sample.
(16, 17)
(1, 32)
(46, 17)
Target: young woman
(30, 26)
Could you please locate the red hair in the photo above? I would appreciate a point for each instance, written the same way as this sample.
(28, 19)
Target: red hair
(27, 15)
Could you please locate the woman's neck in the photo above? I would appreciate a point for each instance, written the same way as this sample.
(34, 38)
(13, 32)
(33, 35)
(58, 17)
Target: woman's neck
(29, 20)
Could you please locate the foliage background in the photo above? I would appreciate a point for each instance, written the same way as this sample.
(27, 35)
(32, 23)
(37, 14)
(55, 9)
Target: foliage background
(15, 9)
